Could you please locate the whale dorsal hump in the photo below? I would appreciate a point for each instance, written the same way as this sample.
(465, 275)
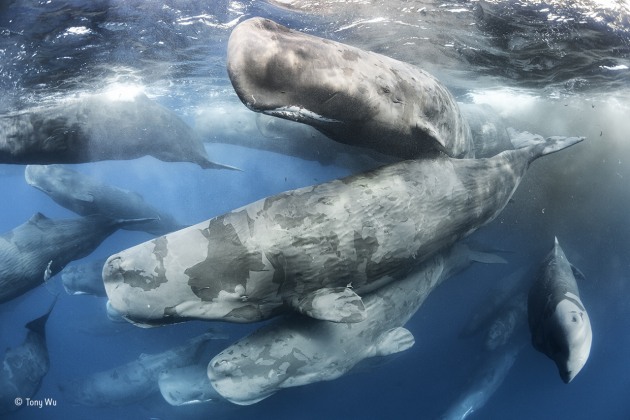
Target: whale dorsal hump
(394, 341)
(336, 304)
(37, 217)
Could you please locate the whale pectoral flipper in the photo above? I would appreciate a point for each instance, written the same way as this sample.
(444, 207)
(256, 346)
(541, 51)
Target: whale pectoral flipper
(486, 257)
(336, 304)
(579, 276)
(394, 341)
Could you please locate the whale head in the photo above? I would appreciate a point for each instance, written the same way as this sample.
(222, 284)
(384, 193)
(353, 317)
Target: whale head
(280, 355)
(570, 338)
(239, 385)
(49, 178)
(248, 372)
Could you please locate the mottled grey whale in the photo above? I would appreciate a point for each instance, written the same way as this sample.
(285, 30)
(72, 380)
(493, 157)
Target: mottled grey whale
(40, 248)
(295, 351)
(132, 381)
(97, 127)
(316, 249)
(85, 195)
(351, 95)
(24, 366)
(558, 322)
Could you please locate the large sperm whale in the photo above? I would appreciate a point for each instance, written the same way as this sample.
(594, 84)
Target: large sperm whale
(96, 127)
(351, 95)
(317, 249)
(295, 351)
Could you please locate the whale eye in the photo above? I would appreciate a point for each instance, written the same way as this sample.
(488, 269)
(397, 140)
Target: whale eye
(577, 317)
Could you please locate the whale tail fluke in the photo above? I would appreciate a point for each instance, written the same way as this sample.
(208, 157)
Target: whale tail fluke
(555, 144)
(539, 145)
(521, 139)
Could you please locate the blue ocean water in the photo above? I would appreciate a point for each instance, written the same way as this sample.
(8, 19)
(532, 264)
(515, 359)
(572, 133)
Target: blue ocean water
(552, 68)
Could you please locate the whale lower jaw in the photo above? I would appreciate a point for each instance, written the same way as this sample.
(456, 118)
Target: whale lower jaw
(299, 114)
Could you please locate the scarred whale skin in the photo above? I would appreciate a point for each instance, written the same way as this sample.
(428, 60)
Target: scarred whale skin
(40, 248)
(314, 249)
(85, 195)
(351, 95)
(295, 351)
(559, 324)
(97, 127)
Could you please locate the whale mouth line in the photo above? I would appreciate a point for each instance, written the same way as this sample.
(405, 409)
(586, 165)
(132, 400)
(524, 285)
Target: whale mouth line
(42, 189)
(567, 377)
(294, 112)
